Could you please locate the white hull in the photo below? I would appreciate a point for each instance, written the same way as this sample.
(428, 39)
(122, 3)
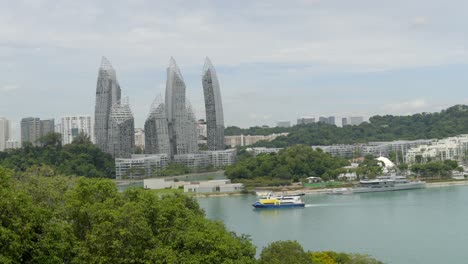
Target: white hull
(396, 187)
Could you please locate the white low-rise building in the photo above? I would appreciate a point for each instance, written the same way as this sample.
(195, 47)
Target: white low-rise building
(260, 150)
(140, 166)
(452, 148)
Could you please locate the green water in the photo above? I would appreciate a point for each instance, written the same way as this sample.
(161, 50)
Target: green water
(416, 226)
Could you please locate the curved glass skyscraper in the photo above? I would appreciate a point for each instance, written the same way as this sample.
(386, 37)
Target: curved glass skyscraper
(121, 137)
(107, 94)
(213, 107)
(179, 124)
(156, 129)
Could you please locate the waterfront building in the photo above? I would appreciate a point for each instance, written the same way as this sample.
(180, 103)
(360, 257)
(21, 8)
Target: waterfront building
(156, 129)
(121, 132)
(373, 148)
(305, 120)
(241, 140)
(452, 148)
(221, 158)
(108, 93)
(71, 126)
(180, 118)
(140, 166)
(213, 107)
(140, 138)
(33, 128)
(4, 132)
(213, 186)
(193, 160)
(283, 124)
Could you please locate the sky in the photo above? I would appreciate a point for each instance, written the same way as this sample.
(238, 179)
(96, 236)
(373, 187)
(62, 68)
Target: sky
(276, 60)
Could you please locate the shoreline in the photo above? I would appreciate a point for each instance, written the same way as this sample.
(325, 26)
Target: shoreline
(325, 190)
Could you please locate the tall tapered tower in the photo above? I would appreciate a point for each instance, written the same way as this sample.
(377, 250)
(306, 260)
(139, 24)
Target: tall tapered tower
(107, 94)
(213, 107)
(180, 130)
(121, 137)
(156, 129)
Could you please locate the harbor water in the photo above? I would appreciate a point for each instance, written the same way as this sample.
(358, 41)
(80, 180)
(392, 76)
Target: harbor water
(414, 226)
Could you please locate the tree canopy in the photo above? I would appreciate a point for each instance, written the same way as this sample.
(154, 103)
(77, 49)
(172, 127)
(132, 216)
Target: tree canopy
(81, 157)
(293, 162)
(78, 220)
(449, 122)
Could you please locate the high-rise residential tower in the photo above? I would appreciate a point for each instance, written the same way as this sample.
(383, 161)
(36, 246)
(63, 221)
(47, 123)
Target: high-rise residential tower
(156, 129)
(178, 120)
(213, 107)
(33, 128)
(4, 132)
(72, 126)
(107, 94)
(121, 137)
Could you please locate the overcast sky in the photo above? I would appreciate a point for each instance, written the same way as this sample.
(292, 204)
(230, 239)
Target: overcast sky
(276, 60)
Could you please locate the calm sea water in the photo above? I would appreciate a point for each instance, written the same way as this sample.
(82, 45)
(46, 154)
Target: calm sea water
(415, 226)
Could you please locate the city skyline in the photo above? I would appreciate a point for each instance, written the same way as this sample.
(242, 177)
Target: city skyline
(343, 66)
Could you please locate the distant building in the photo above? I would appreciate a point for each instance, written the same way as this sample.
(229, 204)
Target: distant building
(33, 128)
(12, 144)
(355, 120)
(283, 124)
(305, 120)
(202, 132)
(261, 150)
(241, 140)
(4, 132)
(213, 107)
(213, 186)
(180, 118)
(373, 148)
(47, 126)
(452, 148)
(121, 138)
(71, 126)
(140, 138)
(193, 160)
(344, 121)
(140, 166)
(221, 158)
(156, 129)
(108, 93)
(327, 120)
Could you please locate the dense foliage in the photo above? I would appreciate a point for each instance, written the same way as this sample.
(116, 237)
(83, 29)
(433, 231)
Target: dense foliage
(436, 168)
(80, 158)
(78, 220)
(291, 163)
(450, 122)
(292, 252)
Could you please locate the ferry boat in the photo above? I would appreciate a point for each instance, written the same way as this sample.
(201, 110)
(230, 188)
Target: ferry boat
(382, 184)
(284, 201)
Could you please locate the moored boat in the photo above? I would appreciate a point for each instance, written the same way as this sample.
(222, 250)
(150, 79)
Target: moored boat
(382, 184)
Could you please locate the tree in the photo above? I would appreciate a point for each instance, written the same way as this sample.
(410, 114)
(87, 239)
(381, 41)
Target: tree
(282, 252)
